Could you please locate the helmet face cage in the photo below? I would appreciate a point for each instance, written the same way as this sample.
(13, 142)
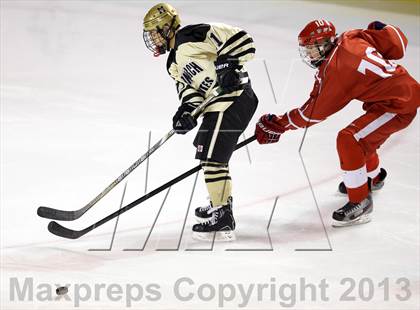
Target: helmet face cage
(314, 54)
(155, 42)
(315, 41)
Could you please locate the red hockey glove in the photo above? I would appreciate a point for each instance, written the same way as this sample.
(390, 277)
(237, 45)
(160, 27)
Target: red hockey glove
(269, 129)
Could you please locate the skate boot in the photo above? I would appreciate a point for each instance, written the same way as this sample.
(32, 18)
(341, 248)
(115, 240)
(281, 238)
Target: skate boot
(354, 213)
(219, 225)
(202, 214)
(375, 184)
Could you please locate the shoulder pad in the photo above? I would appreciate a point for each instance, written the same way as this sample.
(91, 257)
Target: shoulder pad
(191, 33)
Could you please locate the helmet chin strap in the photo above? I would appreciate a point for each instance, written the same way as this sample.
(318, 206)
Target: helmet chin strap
(323, 51)
(167, 38)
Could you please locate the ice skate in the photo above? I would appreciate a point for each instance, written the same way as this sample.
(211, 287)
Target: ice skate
(353, 213)
(375, 184)
(218, 224)
(203, 214)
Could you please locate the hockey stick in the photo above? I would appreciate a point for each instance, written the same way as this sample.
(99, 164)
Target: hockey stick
(64, 232)
(62, 215)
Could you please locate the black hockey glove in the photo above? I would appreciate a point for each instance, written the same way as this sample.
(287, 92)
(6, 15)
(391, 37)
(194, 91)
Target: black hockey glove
(183, 121)
(227, 76)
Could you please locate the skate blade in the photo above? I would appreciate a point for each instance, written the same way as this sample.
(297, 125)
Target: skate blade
(221, 236)
(359, 221)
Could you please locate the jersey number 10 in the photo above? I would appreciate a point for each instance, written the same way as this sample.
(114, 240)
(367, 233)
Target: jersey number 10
(379, 66)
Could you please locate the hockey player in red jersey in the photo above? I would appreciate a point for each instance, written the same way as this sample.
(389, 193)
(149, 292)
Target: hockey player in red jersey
(354, 65)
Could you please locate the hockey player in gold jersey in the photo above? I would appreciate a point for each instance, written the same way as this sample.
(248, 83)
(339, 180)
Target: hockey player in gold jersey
(202, 57)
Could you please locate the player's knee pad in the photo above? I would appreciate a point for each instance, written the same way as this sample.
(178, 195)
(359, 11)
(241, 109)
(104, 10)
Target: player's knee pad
(345, 138)
(349, 150)
(346, 141)
(218, 181)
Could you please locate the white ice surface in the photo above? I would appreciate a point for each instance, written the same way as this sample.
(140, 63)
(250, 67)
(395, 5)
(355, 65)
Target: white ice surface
(79, 95)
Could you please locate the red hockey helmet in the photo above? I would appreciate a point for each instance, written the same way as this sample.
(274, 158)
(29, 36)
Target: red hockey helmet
(315, 41)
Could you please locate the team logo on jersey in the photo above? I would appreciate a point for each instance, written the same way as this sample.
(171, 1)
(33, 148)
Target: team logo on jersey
(206, 84)
(199, 148)
(189, 71)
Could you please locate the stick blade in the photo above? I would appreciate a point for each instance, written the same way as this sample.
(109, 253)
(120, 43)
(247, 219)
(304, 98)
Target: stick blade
(55, 214)
(61, 231)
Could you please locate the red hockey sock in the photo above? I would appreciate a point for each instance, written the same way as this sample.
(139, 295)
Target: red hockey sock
(353, 163)
(356, 195)
(372, 166)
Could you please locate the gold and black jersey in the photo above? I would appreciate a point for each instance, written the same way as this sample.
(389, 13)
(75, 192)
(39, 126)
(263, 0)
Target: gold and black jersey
(191, 61)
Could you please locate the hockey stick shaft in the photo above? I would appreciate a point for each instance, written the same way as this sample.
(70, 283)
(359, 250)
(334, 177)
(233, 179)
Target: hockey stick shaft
(62, 215)
(64, 232)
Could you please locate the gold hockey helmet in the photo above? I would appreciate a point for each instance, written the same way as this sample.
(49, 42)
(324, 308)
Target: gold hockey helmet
(159, 26)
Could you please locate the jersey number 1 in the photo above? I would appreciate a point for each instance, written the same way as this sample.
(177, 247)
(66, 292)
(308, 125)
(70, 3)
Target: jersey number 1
(377, 66)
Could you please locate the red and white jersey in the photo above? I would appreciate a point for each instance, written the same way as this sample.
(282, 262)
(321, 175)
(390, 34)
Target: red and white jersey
(359, 67)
